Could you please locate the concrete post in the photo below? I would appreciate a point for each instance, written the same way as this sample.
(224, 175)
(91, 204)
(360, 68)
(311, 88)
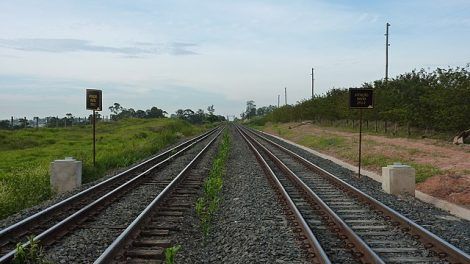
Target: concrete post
(66, 174)
(398, 179)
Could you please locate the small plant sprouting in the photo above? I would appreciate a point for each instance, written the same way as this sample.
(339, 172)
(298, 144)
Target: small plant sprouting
(207, 205)
(30, 254)
(170, 254)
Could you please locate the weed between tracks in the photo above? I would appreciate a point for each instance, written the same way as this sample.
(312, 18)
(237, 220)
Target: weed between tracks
(207, 205)
(32, 254)
(170, 254)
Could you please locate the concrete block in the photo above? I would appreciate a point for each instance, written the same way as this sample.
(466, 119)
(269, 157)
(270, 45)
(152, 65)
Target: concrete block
(398, 179)
(66, 174)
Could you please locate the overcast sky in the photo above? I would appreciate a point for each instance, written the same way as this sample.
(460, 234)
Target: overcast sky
(191, 54)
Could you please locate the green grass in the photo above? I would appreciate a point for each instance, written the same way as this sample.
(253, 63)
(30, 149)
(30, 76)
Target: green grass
(25, 155)
(423, 171)
(343, 149)
(170, 254)
(323, 142)
(33, 253)
(207, 205)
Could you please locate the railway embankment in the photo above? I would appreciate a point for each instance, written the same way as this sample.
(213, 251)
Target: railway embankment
(442, 168)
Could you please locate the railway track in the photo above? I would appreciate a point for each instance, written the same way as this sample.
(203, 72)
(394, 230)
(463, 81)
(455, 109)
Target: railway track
(146, 238)
(337, 222)
(54, 222)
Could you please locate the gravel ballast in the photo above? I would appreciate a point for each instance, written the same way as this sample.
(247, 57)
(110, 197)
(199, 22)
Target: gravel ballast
(249, 226)
(452, 229)
(86, 244)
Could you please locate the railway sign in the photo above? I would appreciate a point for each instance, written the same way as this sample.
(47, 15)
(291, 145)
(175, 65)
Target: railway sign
(361, 98)
(93, 100)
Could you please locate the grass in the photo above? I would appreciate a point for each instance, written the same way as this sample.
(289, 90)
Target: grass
(423, 171)
(346, 148)
(32, 254)
(207, 205)
(170, 254)
(25, 155)
(323, 142)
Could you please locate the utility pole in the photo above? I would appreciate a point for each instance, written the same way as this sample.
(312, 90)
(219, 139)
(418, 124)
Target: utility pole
(285, 95)
(386, 52)
(278, 99)
(313, 84)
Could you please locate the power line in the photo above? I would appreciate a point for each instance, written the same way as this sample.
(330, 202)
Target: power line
(313, 84)
(386, 52)
(285, 95)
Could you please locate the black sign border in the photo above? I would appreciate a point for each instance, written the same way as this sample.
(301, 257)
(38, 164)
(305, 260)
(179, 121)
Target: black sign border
(100, 99)
(361, 89)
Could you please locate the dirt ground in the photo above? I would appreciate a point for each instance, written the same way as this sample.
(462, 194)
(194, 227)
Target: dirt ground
(451, 180)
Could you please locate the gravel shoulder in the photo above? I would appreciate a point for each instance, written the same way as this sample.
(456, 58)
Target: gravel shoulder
(249, 226)
(451, 228)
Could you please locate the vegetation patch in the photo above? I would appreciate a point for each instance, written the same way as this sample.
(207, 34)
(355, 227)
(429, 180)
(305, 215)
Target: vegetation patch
(415, 102)
(26, 154)
(375, 155)
(323, 142)
(207, 205)
(170, 254)
(31, 254)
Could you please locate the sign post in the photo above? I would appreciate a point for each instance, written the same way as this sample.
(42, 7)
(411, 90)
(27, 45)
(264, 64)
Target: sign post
(360, 98)
(94, 102)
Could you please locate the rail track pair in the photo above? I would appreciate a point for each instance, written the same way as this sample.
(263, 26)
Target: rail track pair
(338, 223)
(335, 222)
(52, 223)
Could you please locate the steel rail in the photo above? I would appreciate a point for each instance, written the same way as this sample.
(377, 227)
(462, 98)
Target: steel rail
(442, 248)
(61, 227)
(318, 254)
(133, 229)
(358, 246)
(8, 232)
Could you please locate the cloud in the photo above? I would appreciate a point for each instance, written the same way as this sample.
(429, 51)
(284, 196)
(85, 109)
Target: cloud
(180, 48)
(78, 45)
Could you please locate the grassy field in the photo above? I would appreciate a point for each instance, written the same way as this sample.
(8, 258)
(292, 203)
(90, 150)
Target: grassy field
(25, 155)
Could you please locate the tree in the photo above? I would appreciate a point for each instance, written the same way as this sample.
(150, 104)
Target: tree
(211, 109)
(5, 124)
(155, 112)
(115, 109)
(250, 109)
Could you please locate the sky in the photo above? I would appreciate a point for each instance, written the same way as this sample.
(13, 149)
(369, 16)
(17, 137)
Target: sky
(191, 54)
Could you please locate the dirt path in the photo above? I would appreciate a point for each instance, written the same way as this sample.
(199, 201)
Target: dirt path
(447, 165)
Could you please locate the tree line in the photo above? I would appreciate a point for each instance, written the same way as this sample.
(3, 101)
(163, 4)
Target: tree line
(199, 117)
(437, 100)
(118, 112)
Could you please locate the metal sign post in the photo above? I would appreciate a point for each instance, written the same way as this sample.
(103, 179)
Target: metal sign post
(360, 99)
(94, 102)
